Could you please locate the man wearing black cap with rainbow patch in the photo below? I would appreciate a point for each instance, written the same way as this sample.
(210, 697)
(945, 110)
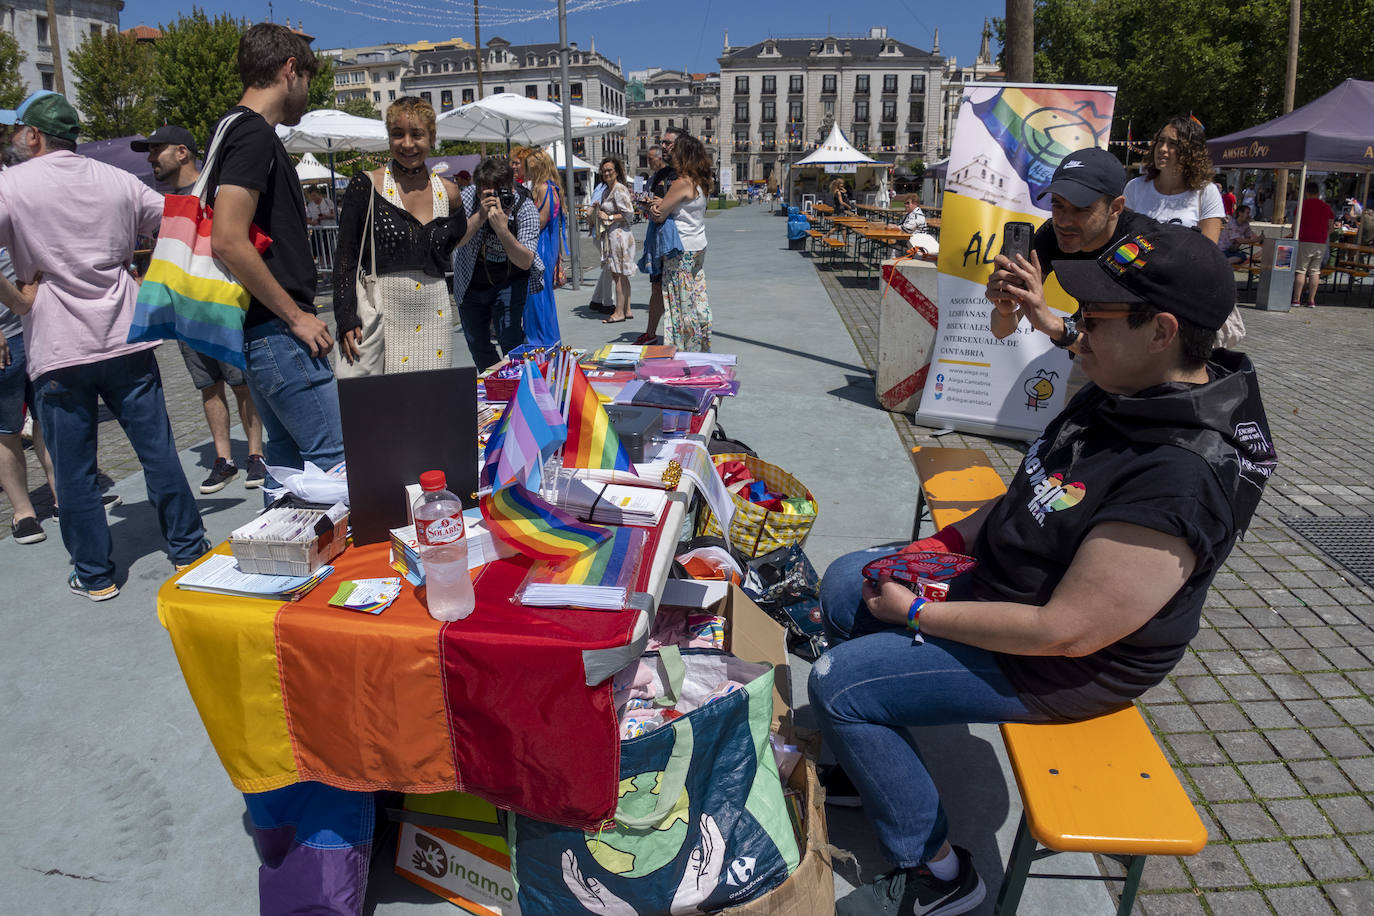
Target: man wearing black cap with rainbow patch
(1092, 568)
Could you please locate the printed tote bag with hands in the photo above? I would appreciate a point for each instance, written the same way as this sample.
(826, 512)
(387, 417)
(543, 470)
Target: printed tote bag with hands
(188, 293)
(701, 824)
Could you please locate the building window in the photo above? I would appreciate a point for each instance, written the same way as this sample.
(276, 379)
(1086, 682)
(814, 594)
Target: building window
(467, 96)
(770, 141)
(918, 111)
(742, 112)
(428, 97)
(889, 82)
(576, 92)
(391, 76)
(794, 83)
(579, 146)
(531, 92)
(41, 26)
(828, 83)
(861, 137)
(861, 83)
(913, 141)
(918, 82)
(742, 170)
(889, 110)
(656, 127)
(500, 89)
(889, 139)
(770, 112)
(670, 122)
(742, 85)
(391, 95)
(708, 124)
(643, 160)
(685, 126)
(794, 111)
(770, 85)
(376, 96)
(643, 125)
(446, 99)
(828, 110)
(861, 112)
(46, 79)
(95, 30)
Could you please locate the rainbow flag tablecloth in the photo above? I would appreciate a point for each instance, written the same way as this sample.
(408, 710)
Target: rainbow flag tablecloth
(496, 705)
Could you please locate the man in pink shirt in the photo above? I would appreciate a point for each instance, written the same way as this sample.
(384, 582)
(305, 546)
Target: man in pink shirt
(76, 329)
(1314, 231)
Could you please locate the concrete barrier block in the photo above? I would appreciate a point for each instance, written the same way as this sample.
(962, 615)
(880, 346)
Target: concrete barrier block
(907, 318)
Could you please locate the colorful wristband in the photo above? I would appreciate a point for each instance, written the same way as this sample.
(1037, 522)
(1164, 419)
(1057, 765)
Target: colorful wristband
(913, 614)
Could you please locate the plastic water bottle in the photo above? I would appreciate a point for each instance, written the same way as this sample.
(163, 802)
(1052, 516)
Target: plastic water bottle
(443, 549)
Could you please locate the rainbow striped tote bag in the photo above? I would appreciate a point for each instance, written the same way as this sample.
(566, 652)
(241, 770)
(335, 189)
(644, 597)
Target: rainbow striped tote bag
(188, 294)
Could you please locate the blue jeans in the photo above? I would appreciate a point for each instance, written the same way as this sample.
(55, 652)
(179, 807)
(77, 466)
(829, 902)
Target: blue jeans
(15, 388)
(296, 396)
(131, 388)
(503, 307)
(874, 684)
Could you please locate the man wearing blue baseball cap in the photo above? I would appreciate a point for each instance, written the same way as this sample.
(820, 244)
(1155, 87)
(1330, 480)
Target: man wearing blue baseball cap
(76, 321)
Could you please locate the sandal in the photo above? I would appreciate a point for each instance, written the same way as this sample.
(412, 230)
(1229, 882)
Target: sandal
(646, 339)
(614, 320)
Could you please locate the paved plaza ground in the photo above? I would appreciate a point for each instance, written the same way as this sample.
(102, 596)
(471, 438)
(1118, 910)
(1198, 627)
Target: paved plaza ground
(119, 805)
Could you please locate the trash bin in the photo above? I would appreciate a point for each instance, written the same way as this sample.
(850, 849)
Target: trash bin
(1278, 260)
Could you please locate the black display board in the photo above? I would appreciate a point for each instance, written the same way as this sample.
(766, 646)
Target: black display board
(397, 426)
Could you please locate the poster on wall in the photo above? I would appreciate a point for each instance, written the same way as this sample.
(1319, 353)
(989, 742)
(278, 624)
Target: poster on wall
(727, 180)
(1008, 140)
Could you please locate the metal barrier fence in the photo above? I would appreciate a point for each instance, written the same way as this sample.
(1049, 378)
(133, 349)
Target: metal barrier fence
(323, 241)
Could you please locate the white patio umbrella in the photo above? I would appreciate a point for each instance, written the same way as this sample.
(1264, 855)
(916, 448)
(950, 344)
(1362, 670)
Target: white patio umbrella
(326, 130)
(509, 118)
(310, 169)
(555, 151)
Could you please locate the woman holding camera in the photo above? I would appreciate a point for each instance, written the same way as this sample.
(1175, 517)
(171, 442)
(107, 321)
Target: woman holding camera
(390, 300)
(614, 213)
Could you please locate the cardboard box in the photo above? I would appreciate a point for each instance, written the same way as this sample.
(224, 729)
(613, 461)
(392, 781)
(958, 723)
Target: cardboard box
(750, 634)
(470, 870)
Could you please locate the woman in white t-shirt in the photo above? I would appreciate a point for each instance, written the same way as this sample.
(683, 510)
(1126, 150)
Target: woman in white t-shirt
(1177, 185)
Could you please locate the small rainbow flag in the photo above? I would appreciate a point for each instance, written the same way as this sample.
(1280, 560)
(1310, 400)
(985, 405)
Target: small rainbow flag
(526, 435)
(612, 564)
(537, 528)
(592, 441)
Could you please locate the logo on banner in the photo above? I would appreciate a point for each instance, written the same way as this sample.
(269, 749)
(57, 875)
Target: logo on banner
(741, 870)
(429, 856)
(1039, 388)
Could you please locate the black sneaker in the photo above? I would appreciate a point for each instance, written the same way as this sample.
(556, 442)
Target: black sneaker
(916, 892)
(257, 472)
(28, 531)
(839, 791)
(220, 475)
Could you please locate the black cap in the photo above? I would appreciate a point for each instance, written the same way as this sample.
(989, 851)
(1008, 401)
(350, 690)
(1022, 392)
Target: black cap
(1175, 269)
(167, 135)
(1085, 175)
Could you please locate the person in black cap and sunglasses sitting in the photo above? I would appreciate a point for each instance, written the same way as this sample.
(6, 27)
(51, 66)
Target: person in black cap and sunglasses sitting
(1092, 568)
(1088, 213)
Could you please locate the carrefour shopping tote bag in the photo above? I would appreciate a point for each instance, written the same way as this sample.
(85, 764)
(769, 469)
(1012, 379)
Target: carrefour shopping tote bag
(188, 293)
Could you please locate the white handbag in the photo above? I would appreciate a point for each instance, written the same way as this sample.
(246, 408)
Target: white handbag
(372, 350)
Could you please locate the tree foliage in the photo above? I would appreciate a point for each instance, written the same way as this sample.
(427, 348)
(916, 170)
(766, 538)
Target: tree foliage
(1222, 61)
(360, 107)
(12, 88)
(114, 74)
(197, 71)
(322, 83)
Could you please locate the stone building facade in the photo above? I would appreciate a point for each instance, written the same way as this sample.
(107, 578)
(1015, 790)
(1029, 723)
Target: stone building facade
(27, 21)
(447, 77)
(672, 98)
(779, 98)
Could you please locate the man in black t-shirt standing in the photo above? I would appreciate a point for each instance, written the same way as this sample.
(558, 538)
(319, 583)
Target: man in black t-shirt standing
(1088, 212)
(286, 346)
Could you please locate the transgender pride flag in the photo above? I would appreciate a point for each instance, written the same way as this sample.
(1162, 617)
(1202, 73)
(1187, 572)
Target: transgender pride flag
(530, 431)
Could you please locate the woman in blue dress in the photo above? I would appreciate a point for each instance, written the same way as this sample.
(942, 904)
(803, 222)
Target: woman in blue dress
(541, 316)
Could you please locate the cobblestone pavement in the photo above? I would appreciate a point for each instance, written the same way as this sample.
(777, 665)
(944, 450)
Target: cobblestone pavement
(1268, 717)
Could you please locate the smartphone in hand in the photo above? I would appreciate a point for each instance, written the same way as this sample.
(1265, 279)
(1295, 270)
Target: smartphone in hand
(1016, 239)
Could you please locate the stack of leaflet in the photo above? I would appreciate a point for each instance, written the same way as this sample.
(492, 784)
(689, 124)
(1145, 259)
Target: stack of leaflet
(370, 596)
(220, 574)
(599, 580)
(627, 356)
(482, 547)
(607, 503)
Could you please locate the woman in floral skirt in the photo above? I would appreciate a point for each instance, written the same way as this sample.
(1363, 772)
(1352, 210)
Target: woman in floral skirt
(687, 310)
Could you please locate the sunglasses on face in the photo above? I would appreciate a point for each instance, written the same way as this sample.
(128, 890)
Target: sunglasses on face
(1090, 316)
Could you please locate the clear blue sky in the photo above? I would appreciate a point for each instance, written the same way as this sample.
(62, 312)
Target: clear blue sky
(641, 33)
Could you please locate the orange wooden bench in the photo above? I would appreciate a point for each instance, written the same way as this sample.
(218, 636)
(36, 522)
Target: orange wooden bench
(1102, 785)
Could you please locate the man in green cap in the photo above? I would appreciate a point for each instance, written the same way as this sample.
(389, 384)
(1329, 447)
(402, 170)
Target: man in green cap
(76, 329)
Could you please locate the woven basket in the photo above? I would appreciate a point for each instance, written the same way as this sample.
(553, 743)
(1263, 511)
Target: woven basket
(755, 530)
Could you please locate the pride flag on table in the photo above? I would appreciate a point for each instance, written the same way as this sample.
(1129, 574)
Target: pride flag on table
(528, 432)
(592, 440)
(537, 528)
